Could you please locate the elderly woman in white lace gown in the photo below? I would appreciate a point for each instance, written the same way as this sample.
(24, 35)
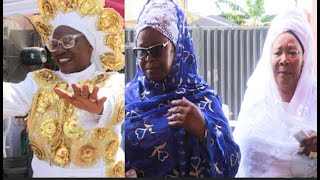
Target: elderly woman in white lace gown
(277, 124)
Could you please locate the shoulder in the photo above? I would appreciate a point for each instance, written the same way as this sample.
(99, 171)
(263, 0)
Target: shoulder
(116, 77)
(43, 76)
(110, 80)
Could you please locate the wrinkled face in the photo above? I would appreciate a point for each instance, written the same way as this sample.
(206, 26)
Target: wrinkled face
(155, 68)
(74, 59)
(287, 61)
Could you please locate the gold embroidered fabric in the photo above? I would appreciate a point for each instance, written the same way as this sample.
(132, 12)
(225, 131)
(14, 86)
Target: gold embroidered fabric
(55, 135)
(116, 170)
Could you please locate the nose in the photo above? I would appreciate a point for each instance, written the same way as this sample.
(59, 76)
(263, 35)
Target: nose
(149, 56)
(60, 49)
(284, 62)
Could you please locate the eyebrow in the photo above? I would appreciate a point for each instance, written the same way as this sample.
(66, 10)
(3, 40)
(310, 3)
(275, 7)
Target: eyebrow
(153, 44)
(290, 46)
(66, 35)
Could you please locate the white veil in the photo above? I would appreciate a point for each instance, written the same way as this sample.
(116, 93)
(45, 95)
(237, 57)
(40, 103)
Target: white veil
(265, 124)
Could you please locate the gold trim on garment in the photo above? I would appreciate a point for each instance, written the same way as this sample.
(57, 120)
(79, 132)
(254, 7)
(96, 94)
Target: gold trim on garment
(112, 60)
(116, 170)
(111, 150)
(47, 8)
(50, 128)
(102, 133)
(161, 154)
(90, 7)
(54, 133)
(45, 102)
(61, 155)
(66, 5)
(44, 76)
(86, 152)
(115, 41)
(196, 163)
(44, 28)
(37, 150)
(71, 128)
(175, 174)
(118, 112)
(110, 21)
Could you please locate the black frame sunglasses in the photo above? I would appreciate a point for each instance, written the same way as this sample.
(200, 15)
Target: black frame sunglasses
(155, 51)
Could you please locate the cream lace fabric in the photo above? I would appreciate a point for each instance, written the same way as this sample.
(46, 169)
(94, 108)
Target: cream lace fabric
(265, 126)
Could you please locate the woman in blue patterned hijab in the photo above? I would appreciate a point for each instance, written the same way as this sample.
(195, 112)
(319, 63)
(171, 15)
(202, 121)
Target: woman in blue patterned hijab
(174, 123)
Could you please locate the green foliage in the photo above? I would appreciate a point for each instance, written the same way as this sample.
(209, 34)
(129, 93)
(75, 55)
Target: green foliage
(252, 15)
(191, 17)
(237, 18)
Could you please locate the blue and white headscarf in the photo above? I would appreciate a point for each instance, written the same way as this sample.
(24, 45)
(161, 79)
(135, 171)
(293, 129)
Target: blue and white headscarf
(163, 21)
(152, 147)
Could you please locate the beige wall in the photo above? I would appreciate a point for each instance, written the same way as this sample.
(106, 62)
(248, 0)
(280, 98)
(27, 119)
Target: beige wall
(311, 15)
(313, 22)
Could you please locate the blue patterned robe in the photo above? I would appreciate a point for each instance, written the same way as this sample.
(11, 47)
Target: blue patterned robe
(153, 148)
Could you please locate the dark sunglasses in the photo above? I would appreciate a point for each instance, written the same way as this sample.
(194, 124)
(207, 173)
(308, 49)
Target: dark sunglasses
(155, 51)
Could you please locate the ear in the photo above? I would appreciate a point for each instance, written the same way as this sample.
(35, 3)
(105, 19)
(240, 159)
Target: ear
(90, 48)
(173, 49)
(302, 65)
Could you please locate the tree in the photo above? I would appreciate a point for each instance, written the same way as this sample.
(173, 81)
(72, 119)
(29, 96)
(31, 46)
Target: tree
(252, 15)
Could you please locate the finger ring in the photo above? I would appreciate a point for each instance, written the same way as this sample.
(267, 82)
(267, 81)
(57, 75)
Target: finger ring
(92, 100)
(313, 155)
(85, 95)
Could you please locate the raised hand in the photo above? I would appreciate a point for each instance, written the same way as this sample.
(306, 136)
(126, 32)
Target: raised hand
(187, 115)
(83, 99)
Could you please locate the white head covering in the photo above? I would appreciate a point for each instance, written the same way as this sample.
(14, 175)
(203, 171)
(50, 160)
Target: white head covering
(265, 126)
(165, 21)
(261, 84)
(87, 26)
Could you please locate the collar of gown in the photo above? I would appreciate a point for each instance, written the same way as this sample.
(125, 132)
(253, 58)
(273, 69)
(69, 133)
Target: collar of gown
(78, 76)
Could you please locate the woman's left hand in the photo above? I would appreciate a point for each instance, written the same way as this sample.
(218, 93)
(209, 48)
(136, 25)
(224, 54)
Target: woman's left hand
(187, 115)
(309, 145)
(83, 99)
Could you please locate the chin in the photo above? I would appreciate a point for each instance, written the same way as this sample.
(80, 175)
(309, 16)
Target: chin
(65, 71)
(157, 79)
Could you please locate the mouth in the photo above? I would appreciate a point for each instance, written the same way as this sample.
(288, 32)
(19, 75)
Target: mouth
(284, 72)
(64, 60)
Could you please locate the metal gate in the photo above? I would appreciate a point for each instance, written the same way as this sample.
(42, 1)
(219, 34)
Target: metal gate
(226, 58)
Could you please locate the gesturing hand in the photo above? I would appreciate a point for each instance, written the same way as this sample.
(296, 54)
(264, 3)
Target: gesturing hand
(187, 115)
(83, 99)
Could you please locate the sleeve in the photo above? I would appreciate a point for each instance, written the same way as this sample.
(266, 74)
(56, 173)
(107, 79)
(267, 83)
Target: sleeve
(223, 153)
(17, 98)
(113, 90)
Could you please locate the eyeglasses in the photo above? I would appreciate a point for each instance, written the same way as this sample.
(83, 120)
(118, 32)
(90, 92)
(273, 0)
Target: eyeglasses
(67, 42)
(155, 51)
